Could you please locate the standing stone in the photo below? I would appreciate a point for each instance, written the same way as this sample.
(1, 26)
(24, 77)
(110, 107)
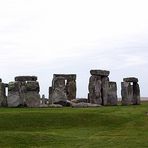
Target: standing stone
(124, 93)
(3, 98)
(32, 94)
(98, 99)
(71, 89)
(136, 94)
(105, 87)
(58, 90)
(130, 91)
(14, 99)
(112, 94)
(95, 90)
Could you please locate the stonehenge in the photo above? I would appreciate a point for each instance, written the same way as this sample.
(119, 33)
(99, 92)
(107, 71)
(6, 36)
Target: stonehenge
(130, 91)
(101, 90)
(24, 91)
(63, 88)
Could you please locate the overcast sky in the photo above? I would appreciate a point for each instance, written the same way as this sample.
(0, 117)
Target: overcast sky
(43, 37)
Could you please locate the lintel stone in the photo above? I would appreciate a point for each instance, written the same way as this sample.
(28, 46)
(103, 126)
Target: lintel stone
(104, 73)
(130, 79)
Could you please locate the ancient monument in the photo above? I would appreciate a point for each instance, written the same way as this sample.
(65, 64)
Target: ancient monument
(130, 91)
(24, 91)
(63, 88)
(101, 90)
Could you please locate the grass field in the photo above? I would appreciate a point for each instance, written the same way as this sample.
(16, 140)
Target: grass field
(104, 127)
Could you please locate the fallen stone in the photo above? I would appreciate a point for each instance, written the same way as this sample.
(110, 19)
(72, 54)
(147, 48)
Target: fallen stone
(80, 100)
(84, 105)
(55, 106)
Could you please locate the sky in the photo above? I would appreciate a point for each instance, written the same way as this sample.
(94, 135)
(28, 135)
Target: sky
(43, 37)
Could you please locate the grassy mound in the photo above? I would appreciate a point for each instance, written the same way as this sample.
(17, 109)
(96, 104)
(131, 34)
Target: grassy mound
(109, 127)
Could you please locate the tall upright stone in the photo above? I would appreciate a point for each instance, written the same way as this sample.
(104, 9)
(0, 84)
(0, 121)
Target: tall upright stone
(32, 98)
(136, 94)
(24, 91)
(63, 88)
(14, 99)
(3, 98)
(101, 90)
(58, 90)
(130, 91)
(112, 94)
(71, 89)
(105, 88)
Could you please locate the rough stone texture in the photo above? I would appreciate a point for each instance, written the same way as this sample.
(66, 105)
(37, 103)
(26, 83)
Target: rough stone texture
(124, 93)
(100, 72)
(80, 100)
(95, 90)
(50, 92)
(130, 91)
(25, 78)
(14, 99)
(71, 89)
(55, 106)
(63, 88)
(104, 90)
(3, 98)
(84, 105)
(24, 92)
(130, 79)
(32, 99)
(66, 76)
(112, 94)
(32, 86)
(58, 90)
(136, 94)
(99, 91)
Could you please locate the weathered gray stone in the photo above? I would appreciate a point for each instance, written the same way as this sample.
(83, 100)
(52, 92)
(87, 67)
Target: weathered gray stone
(58, 90)
(71, 89)
(80, 100)
(32, 99)
(127, 93)
(55, 106)
(95, 90)
(50, 92)
(3, 98)
(136, 94)
(14, 99)
(84, 105)
(32, 86)
(100, 73)
(130, 79)
(24, 92)
(25, 78)
(112, 94)
(66, 76)
(105, 88)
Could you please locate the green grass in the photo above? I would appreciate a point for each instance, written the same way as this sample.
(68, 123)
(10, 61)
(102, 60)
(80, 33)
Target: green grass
(108, 127)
